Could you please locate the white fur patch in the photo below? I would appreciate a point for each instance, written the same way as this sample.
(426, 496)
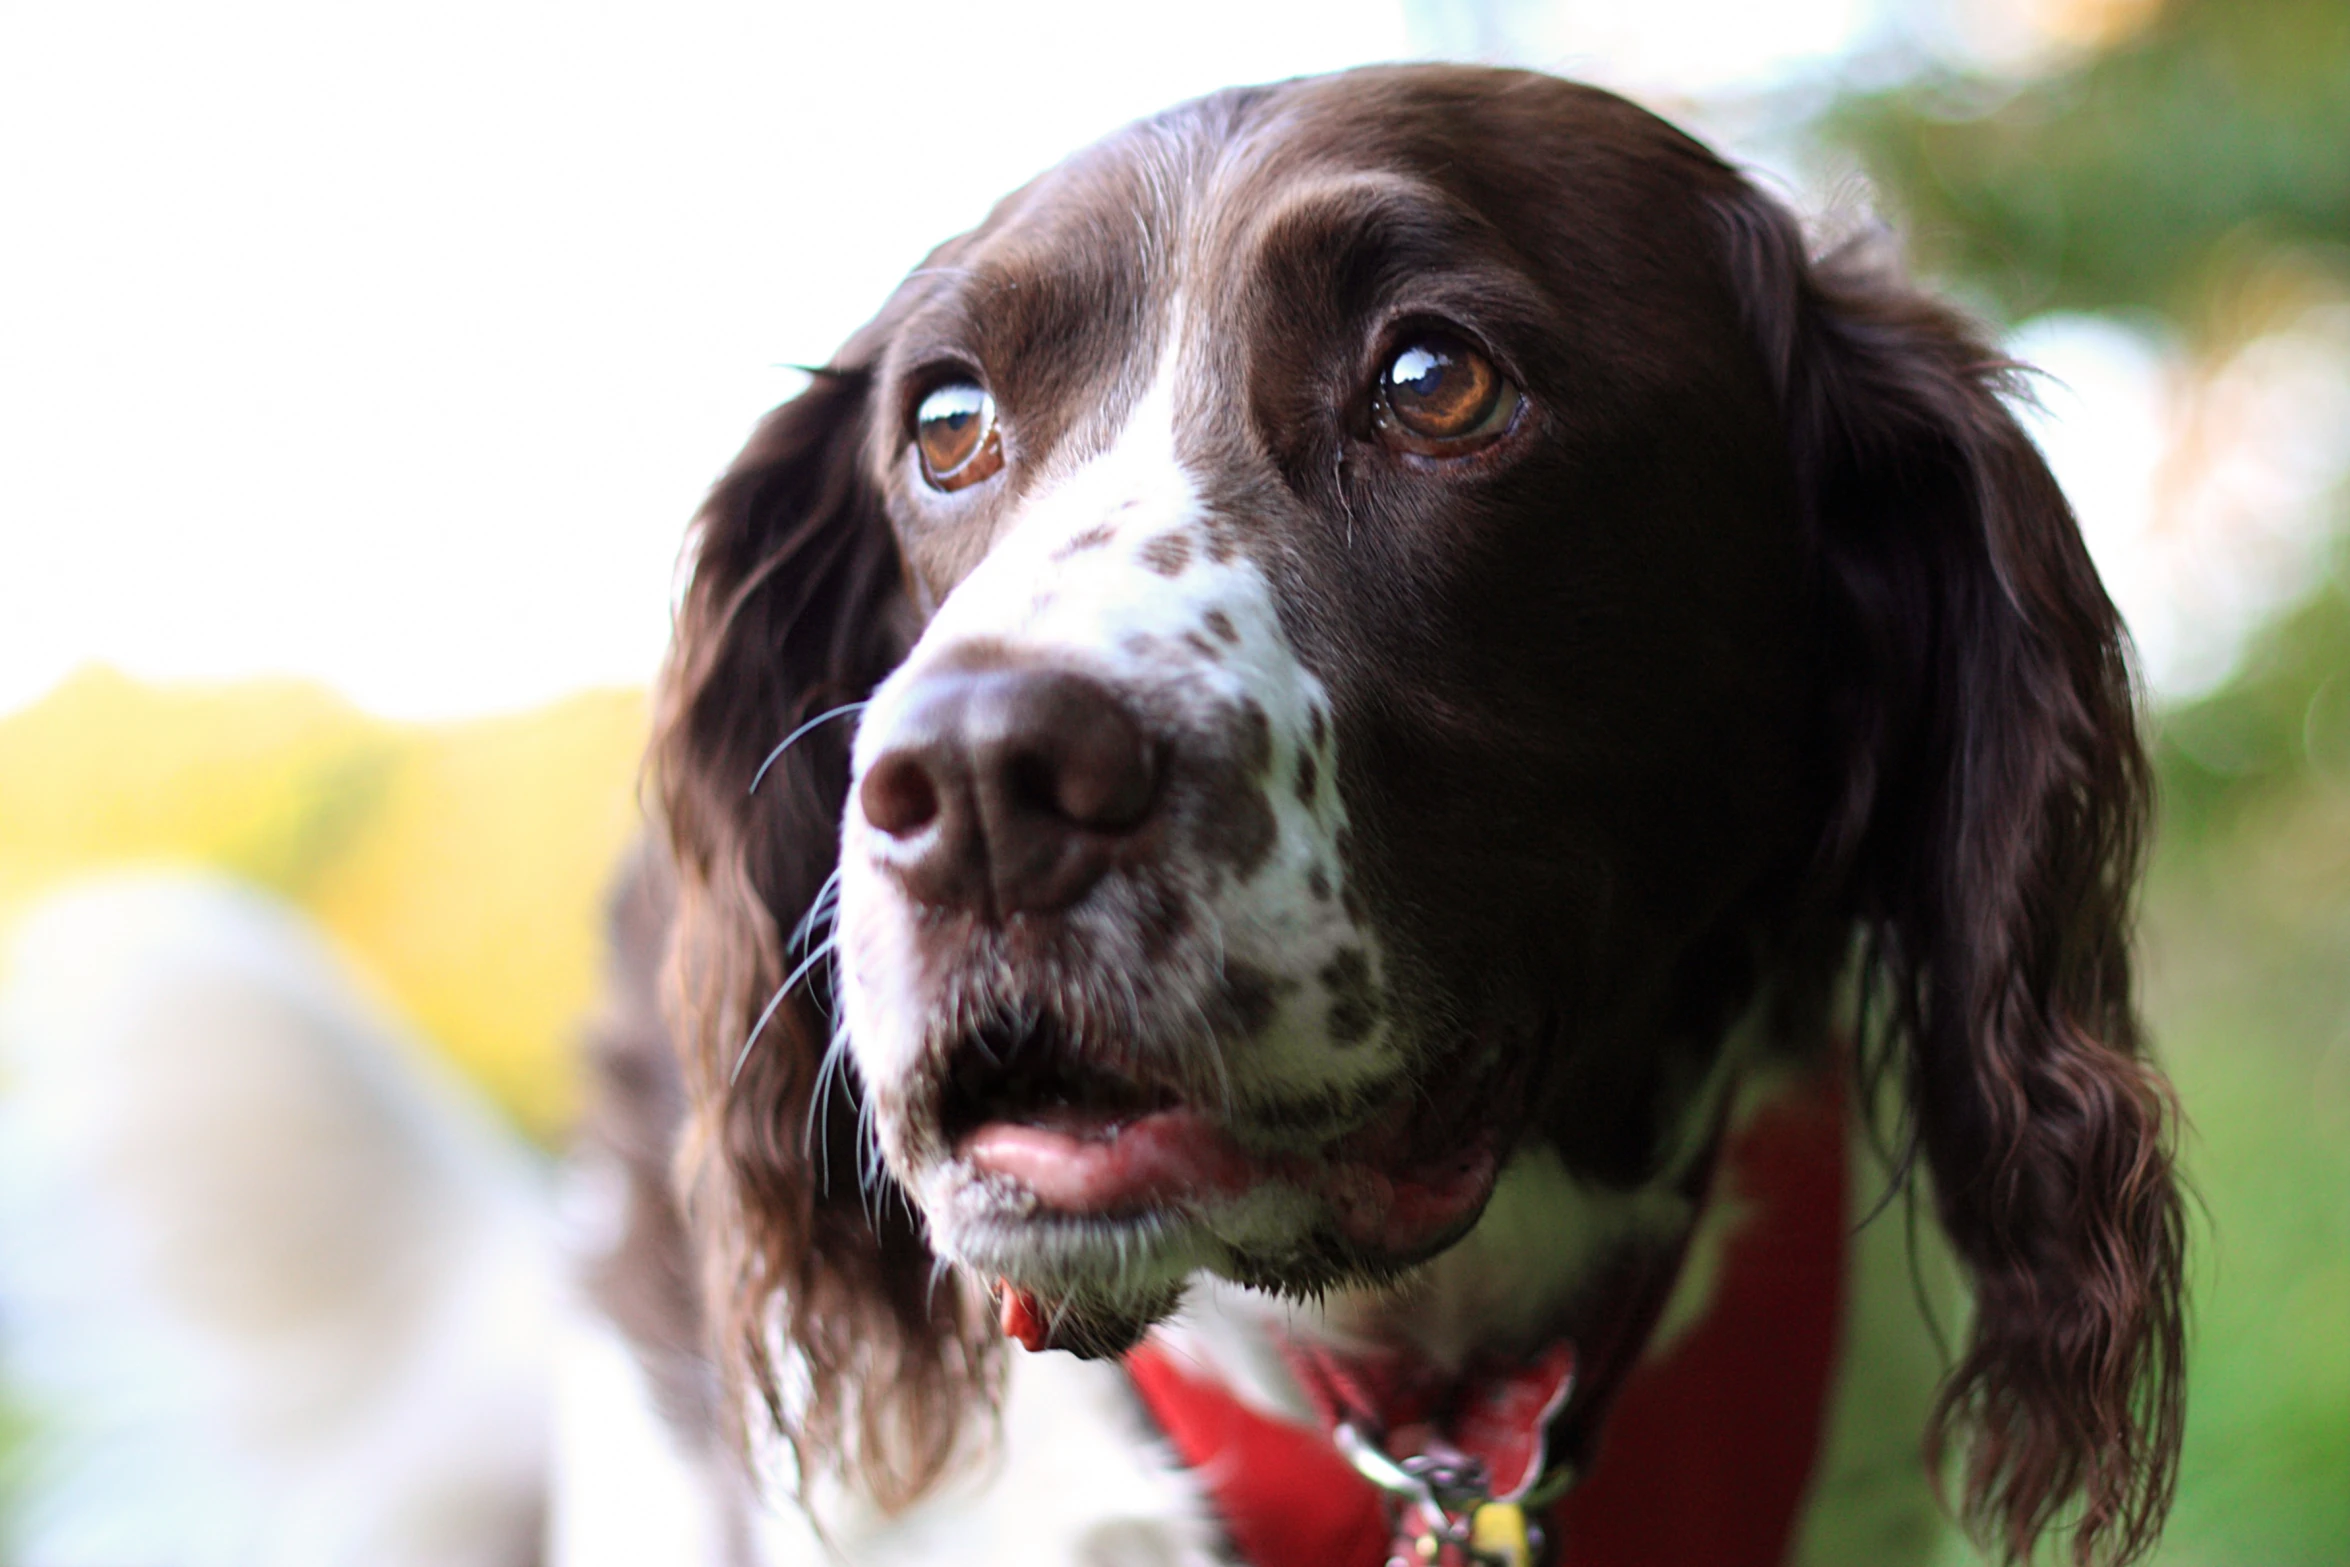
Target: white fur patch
(1504, 1286)
(1077, 1478)
(1113, 570)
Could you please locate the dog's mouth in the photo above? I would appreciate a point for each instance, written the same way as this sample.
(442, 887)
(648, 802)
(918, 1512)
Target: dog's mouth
(1022, 1104)
(1079, 1136)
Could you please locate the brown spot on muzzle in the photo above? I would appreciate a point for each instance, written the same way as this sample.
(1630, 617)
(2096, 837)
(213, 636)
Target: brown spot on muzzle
(1092, 538)
(1354, 1000)
(1241, 834)
(1250, 997)
(1237, 828)
(1168, 554)
(1255, 748)
(1162, 918)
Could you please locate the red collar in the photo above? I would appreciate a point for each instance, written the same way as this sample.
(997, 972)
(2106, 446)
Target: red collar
(1709, 1447)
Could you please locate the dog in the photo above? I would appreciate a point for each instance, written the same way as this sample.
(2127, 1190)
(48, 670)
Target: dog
(1363, 773)
(1337, 714)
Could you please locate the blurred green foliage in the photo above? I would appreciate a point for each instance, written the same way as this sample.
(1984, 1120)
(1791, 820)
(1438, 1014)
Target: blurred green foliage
(2119, 183)
(2280, 728)
(2247, 942)
(2145, 180)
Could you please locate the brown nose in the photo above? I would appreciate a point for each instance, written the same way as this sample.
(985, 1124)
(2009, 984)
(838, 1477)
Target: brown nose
(1008, 791)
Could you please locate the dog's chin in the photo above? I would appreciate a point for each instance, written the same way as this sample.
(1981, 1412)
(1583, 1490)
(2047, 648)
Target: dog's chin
(1095, 1284)
(1090, 1185)
(1288, 1224)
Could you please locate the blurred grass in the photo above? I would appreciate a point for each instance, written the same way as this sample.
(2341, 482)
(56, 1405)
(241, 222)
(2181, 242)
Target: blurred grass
(2247, 953)
(2244, 945)
(2250, 1010)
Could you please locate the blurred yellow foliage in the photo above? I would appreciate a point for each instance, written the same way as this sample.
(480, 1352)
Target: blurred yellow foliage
(461, 865)
(2093, 24)
(2074, 26)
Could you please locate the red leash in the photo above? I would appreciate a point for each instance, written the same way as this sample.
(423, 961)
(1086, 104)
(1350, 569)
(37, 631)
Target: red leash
(1708, 1450)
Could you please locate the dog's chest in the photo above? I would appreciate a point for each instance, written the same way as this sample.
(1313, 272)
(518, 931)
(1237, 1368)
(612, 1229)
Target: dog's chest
(1078, 1477)
(1761, 1389)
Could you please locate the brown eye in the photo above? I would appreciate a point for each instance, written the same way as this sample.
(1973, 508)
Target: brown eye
(954, 429)
(1441, 398)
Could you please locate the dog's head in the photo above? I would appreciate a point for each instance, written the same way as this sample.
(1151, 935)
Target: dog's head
(1387, 610)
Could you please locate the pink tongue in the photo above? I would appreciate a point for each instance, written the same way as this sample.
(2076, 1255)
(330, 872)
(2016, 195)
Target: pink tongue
(1165, 1157)
(1172, 1157)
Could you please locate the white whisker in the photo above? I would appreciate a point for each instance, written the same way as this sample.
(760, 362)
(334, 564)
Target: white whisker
(818, 1129)
(824, 906)
(793, 738)
(773, 1003)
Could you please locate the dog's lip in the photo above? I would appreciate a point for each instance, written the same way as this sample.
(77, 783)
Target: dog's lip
(1382, 1197)
(1105, 1165)
(1050, 1118)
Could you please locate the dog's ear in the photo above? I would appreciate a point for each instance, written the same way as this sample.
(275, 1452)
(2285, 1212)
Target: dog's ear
(795, 608)
(1991, 808)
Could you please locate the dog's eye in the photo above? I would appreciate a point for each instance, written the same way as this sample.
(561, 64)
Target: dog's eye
(1441, 398)
(954, 429)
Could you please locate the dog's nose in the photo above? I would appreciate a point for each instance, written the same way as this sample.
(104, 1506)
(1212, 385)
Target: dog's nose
(1009, 791)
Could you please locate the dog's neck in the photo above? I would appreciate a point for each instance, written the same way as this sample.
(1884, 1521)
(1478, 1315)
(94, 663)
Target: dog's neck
(1527, 1275)
(1511, 1287)
(1515, 1282)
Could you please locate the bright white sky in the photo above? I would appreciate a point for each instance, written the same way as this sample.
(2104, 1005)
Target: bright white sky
(392, 346)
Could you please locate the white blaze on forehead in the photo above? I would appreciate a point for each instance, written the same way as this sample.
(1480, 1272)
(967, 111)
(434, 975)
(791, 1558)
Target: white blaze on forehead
(1113, 569)
(1045, 585)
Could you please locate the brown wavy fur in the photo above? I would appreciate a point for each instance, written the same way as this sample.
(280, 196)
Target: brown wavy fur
(794, 607)
(1987, 812)
(1987, 839)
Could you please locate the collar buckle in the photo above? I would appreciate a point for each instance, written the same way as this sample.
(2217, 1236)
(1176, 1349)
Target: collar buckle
(1445, 1512)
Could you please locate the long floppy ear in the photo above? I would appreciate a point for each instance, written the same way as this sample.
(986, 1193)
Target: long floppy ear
(1992, 818)
(795, 607)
